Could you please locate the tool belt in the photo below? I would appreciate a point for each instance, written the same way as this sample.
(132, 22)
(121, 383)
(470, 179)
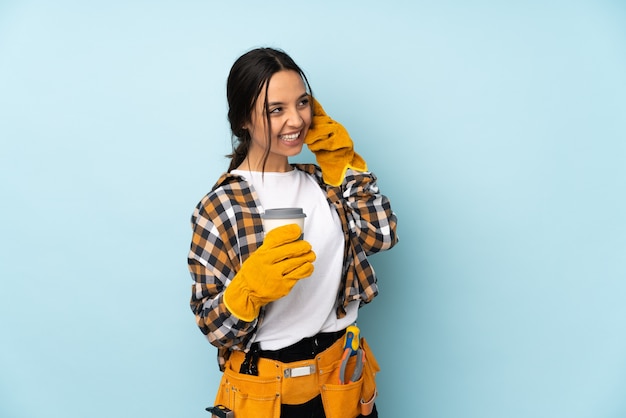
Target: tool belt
(296, 382)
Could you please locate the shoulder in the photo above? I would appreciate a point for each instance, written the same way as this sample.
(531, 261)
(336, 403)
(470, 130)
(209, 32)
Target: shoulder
(228, 183)
(230, 191)
(312, 170)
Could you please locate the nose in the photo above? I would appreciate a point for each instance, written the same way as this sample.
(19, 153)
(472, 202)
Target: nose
(294, 119)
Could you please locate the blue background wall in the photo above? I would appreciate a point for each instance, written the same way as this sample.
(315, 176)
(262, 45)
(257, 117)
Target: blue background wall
(497, 129)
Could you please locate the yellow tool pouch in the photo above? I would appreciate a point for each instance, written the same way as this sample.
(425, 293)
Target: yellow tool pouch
(249, 396)
(298, 382)
(351, 399)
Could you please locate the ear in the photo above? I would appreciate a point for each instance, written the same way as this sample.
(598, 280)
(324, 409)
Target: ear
(245, 128)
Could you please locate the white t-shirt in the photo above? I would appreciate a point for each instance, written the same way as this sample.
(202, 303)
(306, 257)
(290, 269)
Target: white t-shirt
(311, 305)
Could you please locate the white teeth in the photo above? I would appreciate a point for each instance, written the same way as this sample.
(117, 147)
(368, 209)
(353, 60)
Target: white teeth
(290, 137)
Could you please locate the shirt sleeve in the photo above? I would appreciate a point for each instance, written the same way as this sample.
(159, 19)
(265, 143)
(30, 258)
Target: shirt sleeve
(212, 265)
(370, 217)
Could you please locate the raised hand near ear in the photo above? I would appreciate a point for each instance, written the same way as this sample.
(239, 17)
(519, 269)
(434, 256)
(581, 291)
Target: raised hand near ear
(332, 146)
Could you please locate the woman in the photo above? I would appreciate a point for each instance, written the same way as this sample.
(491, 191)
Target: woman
(277, 306)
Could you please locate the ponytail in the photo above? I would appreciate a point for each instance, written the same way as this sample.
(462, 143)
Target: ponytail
(239, 152)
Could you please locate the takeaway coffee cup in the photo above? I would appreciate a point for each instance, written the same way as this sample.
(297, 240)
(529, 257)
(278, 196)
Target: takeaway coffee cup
(273, 218)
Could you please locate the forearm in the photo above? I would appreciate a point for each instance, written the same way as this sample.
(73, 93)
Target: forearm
(372, 219)
(222, 328)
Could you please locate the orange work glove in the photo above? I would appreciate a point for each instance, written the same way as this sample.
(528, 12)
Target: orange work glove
(270, 272)
(332, 146)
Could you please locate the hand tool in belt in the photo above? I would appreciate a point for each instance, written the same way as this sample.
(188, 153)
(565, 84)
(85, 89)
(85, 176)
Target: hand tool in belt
(220, 411)
(351, 348)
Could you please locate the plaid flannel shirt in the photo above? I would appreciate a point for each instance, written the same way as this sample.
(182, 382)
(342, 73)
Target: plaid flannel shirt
(227, 228)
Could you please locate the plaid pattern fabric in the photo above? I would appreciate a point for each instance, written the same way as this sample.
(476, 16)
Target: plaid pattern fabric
(227, 228)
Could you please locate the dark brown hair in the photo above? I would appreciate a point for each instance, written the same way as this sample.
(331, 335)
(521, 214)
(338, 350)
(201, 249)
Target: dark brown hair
(248, 76)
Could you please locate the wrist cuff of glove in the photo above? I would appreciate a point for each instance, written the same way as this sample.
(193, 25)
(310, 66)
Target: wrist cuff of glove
(240, 306)
(334, 175)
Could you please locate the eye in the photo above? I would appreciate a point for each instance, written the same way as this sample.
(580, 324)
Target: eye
(275, 110)
(304, 102)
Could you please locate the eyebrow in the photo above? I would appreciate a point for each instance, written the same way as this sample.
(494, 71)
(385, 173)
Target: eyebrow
(305, 94)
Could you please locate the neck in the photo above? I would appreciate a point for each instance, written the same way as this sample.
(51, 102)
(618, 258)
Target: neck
(270, 166)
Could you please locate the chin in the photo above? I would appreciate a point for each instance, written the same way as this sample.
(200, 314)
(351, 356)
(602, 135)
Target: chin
(294, 151)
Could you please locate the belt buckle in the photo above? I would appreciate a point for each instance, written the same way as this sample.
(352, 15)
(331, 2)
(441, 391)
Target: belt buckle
(299, 371)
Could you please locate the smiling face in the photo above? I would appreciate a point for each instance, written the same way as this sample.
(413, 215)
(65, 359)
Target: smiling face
(289, 110)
